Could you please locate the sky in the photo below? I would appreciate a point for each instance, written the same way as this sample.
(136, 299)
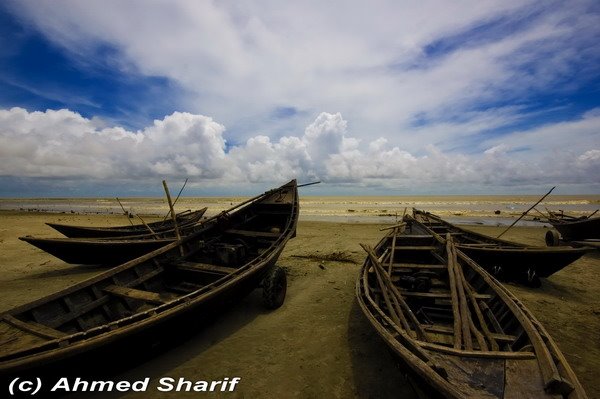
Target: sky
(105, 98)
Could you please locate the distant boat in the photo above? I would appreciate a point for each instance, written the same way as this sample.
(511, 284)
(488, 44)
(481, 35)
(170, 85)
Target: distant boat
(584, 230)
(113, 250)
(183, 218)
(504, 259)
(460, 332)
(164, 290)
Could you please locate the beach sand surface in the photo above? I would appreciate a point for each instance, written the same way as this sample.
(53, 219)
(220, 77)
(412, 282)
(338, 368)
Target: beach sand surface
(318, 344)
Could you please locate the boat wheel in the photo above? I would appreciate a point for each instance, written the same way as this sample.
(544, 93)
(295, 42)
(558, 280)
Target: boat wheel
(552, 238)
(274, 288)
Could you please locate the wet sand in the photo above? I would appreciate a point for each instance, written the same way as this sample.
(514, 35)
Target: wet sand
(318, 344)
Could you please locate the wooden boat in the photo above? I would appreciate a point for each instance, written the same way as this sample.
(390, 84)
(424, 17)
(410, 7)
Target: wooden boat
(504, 259)
(111, 250)
(185, 280)
(183, 218)
(457, 329)
(87, 251)
(572, 228)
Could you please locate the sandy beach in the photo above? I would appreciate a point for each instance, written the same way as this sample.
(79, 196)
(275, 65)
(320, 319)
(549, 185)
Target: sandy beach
(318, 344)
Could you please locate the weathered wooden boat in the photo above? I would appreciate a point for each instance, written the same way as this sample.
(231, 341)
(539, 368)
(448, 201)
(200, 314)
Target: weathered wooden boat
(231, 255)
(183, 219)
(88, 251)
(572, 228)
(110, 250)
(457, 330)
(504, 259)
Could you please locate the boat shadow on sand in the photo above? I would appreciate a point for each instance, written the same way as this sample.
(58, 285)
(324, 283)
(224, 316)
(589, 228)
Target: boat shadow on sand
(377, 374)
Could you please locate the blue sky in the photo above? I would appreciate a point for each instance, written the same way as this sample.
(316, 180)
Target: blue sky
(108, 98)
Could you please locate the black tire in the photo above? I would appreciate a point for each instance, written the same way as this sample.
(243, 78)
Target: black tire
(274, 288)
(552, 238)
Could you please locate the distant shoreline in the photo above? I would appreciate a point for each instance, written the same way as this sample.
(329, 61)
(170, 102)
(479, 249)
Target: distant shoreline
(483, 209)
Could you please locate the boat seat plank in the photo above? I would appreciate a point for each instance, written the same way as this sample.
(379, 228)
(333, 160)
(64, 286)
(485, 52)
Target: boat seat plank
(416, 248)
(445, 295)
(449, 330)
(409, 236)
(34, 328)
(204, 267)
(132, 293)
(418, 266)
(142, 279)
(252, 233)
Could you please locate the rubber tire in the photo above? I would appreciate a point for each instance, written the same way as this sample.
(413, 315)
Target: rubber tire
(552, 238)
(274, 288)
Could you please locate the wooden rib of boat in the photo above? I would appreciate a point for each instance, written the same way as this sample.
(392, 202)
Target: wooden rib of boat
(232, 253)
(457, 329)
(183, 218)
(111, 250)
(504, 259)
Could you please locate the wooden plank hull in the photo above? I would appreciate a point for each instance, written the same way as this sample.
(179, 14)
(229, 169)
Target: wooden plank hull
(504, 259)
(523, 265)
(578, 229)
(470, 338)
(120, 231)
(96, 252)
(111, 251)
(154, 292)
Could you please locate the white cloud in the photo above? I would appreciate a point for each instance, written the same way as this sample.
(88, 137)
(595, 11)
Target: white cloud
(420, 86)
(243, 60)
(186, 145)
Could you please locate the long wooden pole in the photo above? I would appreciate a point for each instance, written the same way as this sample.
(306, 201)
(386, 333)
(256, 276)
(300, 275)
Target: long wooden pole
(457, 322)
(526, 212)
(125, 212)
(148, 227)
(164, 182)
(308, 184)
(177, 198)
(394, 290)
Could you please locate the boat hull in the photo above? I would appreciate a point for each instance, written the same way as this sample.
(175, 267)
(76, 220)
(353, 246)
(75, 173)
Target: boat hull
(96, 252)
(123, 231)
(578, 230)
(504, 259)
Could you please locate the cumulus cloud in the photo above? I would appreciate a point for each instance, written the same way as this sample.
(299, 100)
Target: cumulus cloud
(64, 144)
